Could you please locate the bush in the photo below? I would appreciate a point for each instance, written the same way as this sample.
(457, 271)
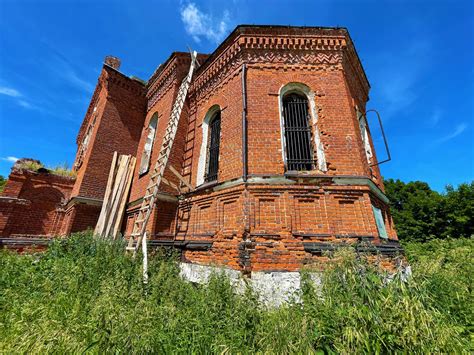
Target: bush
(87, 295)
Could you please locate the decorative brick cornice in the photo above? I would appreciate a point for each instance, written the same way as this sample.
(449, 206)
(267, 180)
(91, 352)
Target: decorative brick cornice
(275, 46)
(163, 78)
(111, 78)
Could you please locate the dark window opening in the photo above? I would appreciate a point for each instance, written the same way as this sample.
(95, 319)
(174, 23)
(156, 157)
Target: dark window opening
(213, 151)
(299, 151)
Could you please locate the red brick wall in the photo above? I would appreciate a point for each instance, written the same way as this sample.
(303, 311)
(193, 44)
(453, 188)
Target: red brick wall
(162, 94)
(120, 112)
(228, 96)
(281, 220)
(267, 226)
(120, 115)
(32, 203)
(79, 217)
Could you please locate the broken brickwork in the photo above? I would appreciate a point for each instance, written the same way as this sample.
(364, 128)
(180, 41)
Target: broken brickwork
(33, 203)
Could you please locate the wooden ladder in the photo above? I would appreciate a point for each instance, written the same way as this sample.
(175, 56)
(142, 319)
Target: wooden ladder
(148, 202)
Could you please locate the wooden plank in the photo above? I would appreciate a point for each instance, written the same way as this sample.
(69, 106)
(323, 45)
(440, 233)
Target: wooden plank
(113, 194)
(121, 209)
(180, 177)
(120, 182)
(105, 201)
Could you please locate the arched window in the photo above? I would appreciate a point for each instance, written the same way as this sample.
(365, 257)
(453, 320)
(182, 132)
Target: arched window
(213, 147)
(298, 134)
(150, 138)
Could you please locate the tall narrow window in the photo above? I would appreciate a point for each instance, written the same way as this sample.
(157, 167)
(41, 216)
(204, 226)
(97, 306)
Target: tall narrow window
(213, 151)
(150, 138)
(365, 135)
(299, 151)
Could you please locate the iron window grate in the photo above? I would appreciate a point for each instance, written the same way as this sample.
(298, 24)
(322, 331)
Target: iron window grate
(213, 154)
(298, 134)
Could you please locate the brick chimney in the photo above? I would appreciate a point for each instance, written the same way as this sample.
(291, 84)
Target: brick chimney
(112, 62)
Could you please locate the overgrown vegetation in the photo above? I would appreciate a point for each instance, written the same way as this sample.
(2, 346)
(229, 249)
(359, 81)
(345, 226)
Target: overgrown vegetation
(35, 165)
(421, 214)
(86, 295)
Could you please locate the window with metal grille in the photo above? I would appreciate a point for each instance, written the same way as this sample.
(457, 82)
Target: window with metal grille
(298, 136)
(213, 151)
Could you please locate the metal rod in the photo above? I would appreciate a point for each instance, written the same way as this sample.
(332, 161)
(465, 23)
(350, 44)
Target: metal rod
(389, 157)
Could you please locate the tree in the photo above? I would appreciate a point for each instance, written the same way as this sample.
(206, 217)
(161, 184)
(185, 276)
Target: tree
(421, 214)
(458, 210)
(3, 181)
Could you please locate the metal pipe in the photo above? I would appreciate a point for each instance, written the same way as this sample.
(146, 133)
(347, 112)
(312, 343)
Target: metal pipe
(244, 124)
(389, 157)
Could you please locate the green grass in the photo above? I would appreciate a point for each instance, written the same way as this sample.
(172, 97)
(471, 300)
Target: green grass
(84, 295)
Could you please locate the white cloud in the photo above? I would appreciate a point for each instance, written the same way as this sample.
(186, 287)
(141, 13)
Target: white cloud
(199, 24)
(459, 129)
(16, 96)
(9, 92)
(10, 159)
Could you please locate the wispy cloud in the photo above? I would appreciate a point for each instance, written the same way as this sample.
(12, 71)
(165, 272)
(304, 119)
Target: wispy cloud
(435, 117)
(25, 104)
(62, 67)
(460, 128)
(16, 95)
(75, 80)
(199, 24)
(10, 159)
(9, 91)
(401, 75)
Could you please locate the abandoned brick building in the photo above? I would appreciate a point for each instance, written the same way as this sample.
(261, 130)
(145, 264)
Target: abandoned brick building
(272, 139)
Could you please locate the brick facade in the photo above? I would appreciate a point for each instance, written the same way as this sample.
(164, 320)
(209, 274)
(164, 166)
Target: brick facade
(114, 122)
(258, 215)
(32, 203)
(273, 219)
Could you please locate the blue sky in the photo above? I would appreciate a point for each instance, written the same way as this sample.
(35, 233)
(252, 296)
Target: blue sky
(418, 56)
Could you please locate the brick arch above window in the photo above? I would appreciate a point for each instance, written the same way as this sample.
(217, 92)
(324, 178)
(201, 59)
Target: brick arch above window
(304, 91)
